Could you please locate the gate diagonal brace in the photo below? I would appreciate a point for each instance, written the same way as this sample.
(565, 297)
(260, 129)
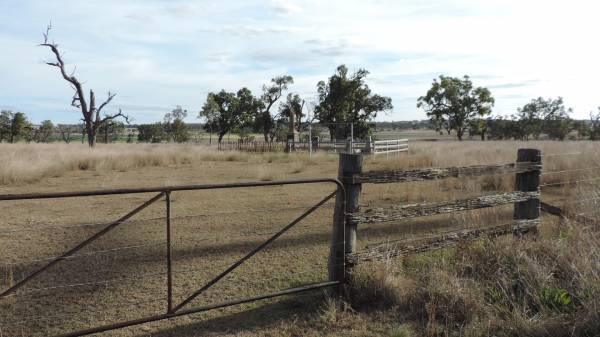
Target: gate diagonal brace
(252, 252)
(80, 246)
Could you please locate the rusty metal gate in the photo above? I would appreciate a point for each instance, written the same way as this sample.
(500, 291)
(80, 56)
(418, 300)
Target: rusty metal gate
(173, 309)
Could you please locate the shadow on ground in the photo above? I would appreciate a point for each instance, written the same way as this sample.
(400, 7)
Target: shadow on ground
(293, 308)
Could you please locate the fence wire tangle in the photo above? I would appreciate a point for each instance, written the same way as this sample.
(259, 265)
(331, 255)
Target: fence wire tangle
(163, 193)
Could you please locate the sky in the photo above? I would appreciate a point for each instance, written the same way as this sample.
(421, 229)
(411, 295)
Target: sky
(158, 54)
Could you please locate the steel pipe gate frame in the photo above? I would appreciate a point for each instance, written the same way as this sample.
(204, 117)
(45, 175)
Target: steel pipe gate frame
(176, 311)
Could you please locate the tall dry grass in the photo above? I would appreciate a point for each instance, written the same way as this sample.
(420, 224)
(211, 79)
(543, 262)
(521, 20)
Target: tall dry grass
(24, 163)
(453, 153)
(27, 163)
(507, 287)
(511, 287)
(570, 161)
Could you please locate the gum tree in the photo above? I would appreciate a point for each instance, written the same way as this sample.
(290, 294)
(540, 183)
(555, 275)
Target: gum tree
(453, 103)
(346, 98)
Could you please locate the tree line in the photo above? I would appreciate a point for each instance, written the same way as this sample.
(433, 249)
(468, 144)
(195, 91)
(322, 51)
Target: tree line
(454, 105)
(15, 127)
(344, 102)
(343, 99)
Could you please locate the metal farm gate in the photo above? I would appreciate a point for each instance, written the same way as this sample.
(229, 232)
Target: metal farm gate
(180, 308)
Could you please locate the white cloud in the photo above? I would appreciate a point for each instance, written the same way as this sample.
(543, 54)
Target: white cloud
(161, 53)
(285, 7)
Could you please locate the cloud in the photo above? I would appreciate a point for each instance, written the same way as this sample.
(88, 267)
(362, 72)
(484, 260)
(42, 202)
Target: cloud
(157, 53)
(140, 18)
(139, 107)
(250, 31)
(285, 7)
(511, 85)
(407, 79)
(182, 10)
(327, 48)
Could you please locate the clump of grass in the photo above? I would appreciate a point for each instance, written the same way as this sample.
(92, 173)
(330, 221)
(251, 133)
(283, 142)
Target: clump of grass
(403, 330)
(298, 167)
(505, 287)
(378, 286)
(267, 173)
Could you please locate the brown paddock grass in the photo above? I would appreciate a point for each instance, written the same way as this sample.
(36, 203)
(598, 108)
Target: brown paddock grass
(506, 287)
(214, 228)
(28, 163)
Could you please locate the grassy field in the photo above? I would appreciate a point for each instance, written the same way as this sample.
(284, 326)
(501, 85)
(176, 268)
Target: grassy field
(122, 275)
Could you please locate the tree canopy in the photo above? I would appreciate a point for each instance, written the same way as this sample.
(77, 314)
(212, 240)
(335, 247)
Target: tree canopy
(265, 121)
(227, 111)
(293, 104)
(175, 128)
(44, 132)
(452, 103)
(547, 116)
(346, 99)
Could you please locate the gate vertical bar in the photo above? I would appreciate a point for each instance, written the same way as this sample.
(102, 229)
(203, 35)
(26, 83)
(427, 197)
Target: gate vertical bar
(169, 255)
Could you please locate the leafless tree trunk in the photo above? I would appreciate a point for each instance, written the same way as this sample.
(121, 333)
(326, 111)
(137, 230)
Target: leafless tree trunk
(89, 110)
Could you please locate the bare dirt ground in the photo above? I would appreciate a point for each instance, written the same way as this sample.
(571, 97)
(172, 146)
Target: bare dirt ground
(123, 275)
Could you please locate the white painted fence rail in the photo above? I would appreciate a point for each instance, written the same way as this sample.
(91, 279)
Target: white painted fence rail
(389, 146)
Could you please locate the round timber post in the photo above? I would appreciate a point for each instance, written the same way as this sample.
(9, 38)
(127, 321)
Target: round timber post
(344, 231)
(528, 182)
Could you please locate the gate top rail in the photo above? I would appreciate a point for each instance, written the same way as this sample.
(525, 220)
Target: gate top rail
(158, 189)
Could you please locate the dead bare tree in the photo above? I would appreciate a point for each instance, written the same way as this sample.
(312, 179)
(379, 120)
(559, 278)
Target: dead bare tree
(91, 112)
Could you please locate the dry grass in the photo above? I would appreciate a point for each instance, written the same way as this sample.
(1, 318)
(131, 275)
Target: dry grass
(509, 287)
(430, 294)
(28, 163)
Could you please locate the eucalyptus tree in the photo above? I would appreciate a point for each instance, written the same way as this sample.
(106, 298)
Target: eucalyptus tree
(547, 116)
(174, 124)
(264, 120)
(454, 103)
(44, 132)
(293, 105)
(595, 125)
(346, 99)
(227, 111)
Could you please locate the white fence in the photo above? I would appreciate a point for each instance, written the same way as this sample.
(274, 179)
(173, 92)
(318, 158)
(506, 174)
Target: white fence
(332, 146)
(389, 146)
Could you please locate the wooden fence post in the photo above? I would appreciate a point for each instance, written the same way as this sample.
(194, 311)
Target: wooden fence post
(528, 182)
(343, 229)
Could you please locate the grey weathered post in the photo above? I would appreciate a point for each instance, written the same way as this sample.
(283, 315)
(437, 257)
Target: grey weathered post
(344, 231)
(368, 145)
(528, 182)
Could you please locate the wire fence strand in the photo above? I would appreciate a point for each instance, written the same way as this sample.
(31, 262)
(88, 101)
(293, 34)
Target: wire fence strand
(569, 182)
(173, 218)
(571, 170)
